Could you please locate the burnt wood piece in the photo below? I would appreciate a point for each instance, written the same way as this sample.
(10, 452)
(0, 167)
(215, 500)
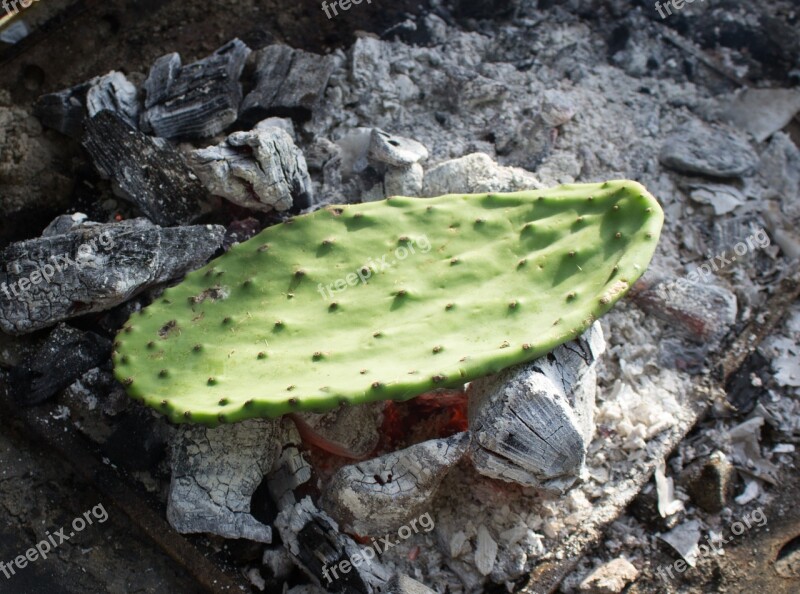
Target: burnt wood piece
(65, 110)
(315, 544)
(50, 279)
(214, 475)
(113, 92)
(150, 174)
(198, 100)
(381, 494)
(261, 170)
(289, 82)
(532, 423)
(64, 357)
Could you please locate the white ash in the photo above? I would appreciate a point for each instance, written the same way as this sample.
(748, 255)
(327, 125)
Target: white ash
(261, 169)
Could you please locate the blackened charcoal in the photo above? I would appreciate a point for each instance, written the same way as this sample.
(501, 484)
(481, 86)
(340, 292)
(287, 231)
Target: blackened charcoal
(64, 111)
(151, 175)
(198, 100)
(315, 543)
(66, 355)
(50, 279)
(113, 92)
(289, 82)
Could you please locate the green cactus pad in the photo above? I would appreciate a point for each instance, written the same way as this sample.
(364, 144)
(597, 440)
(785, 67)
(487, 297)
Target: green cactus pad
(458, 287)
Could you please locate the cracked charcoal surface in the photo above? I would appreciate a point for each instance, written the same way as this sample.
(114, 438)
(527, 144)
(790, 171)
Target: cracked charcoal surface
(195, 100)
(147, 172)
(379, 495)
(214, 475)
(532, 423)
(127, 258)
(261, 170)
(259, 315)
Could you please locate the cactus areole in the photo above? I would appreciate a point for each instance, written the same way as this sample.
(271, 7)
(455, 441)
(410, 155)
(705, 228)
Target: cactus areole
(386, 300)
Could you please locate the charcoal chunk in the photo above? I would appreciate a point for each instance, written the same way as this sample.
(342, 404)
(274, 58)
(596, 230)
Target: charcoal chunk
(198, 100)
(289, 82)
(261, 169)
(64, 357)
(151, 175)
(113, 92)
(532, 423)
(93, 268)
(65, 110)
(214, 475)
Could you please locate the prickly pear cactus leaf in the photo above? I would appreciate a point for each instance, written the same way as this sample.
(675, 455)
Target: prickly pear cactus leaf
(386, 300)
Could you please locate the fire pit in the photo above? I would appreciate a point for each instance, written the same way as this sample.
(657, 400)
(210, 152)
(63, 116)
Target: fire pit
(207, 186)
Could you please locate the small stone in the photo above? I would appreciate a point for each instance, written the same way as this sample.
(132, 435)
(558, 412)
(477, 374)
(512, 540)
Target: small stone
(610, 578)
(557, 108)
(406, 181)
(395, 151)
(709, 482)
